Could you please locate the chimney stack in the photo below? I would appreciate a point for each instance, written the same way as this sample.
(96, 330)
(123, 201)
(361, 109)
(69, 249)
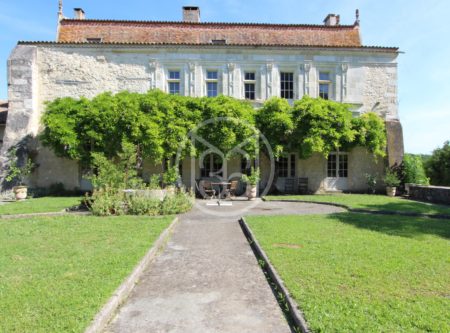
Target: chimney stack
(191, 14)
(79, 13)
(331, 20)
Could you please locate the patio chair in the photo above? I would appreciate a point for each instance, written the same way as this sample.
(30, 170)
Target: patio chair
(231, 191)
(303, 185)
(205, 189)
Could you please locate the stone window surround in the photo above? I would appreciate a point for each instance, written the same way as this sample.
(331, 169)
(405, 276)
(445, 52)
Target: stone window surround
(331, 70)
(205, 70)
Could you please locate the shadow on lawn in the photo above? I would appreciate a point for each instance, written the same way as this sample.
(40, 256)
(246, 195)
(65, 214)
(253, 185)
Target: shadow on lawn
(409, 206)
(397, 225)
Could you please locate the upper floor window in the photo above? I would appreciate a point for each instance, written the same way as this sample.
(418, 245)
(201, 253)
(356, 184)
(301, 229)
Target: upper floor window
(324, 85)
(287, 85)
(249, 85)
(174, 82)
(212, 83)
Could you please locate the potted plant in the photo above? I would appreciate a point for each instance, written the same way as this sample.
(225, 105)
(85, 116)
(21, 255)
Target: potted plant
(371, 181)
(17, 174)
(170, 178)
(392, 181)
(252, 183)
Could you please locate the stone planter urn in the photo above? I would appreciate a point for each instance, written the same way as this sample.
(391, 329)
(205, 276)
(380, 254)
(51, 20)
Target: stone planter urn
(251, 191)
(20, 192)
(390, 191)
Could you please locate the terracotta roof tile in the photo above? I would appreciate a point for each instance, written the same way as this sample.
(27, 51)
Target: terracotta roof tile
(156, 32)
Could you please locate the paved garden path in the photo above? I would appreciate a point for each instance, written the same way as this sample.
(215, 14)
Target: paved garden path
(207, 279)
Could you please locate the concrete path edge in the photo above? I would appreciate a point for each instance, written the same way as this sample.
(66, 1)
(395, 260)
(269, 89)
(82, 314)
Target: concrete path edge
(367, 211)
(107, 312)
(293, 308)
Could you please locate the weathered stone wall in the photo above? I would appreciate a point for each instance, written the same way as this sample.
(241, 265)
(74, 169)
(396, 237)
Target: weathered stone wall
(436, 194)
(40, 73)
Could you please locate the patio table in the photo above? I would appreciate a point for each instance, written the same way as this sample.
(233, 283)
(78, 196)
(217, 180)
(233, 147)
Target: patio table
(221, 188)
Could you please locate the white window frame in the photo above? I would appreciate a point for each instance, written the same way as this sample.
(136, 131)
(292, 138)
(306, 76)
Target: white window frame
(288, 71)
(216, 80)
(171, 80)
(246, 81)
(338, 164)
(331, 82)
(290, 173)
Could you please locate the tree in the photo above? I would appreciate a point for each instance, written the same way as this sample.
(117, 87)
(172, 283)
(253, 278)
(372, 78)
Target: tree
(275, 122)
(321, 126)
(438, 166)
(413, 170)
(370, 133)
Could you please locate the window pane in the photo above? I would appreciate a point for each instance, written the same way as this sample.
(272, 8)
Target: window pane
(174, 88)
(287, 85)
(324, 90)
(292, 165)
(212, 89)
(331, 166)
(324, 76)
(250, 91)
(174, 75)
(282, 167)
(249, 76)
(343, 166)
(211, 75)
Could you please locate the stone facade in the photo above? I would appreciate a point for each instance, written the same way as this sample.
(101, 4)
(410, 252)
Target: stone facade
(366, 78)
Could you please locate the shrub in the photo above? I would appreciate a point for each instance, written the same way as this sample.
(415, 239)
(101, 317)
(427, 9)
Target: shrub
(371, 181)
(180, 202)
(105, 202)
(141, 205)
(391, 179)
(413, 170)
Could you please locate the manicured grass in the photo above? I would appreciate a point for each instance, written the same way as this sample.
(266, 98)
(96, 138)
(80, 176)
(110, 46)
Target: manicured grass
(57, 272)
(370, 202)
(362, 273)
(39, 205)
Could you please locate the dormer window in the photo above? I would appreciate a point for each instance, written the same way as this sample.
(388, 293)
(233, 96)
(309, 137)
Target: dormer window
(94, 40)
(219, 41)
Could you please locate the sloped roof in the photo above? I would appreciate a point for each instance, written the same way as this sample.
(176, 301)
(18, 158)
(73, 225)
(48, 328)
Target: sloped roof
(188, 33)
(3, 111)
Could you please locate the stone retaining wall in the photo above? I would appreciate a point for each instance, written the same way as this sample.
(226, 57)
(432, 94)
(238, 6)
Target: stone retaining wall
(436, 194)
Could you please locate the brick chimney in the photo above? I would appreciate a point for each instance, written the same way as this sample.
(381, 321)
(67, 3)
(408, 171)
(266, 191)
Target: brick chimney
(331, 20)
(79, 14)
(191, 14)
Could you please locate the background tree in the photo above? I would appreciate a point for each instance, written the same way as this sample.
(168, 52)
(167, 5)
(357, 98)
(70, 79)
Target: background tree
(413, 170)
(438, 166)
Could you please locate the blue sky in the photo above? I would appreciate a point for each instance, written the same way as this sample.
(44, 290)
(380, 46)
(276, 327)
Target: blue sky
(420, 28)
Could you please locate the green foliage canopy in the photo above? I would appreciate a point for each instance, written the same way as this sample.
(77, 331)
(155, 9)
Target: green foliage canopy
(438, 166)
(156, 123)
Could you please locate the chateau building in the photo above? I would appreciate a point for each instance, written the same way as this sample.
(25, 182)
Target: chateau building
(252, 61)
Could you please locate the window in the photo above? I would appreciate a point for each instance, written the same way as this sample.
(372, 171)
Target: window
(245, 166)
(292, 165)
(282, 167)
(324, 85)
(174, 82)
(212, 166)
(249, 85)
(337, 165)
(93, 40)
(287, 85)
(212, 79)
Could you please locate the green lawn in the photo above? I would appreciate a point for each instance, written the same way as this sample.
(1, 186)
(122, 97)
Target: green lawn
(362, 273)
(370, 202)
(57, 272)
(39, 205)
